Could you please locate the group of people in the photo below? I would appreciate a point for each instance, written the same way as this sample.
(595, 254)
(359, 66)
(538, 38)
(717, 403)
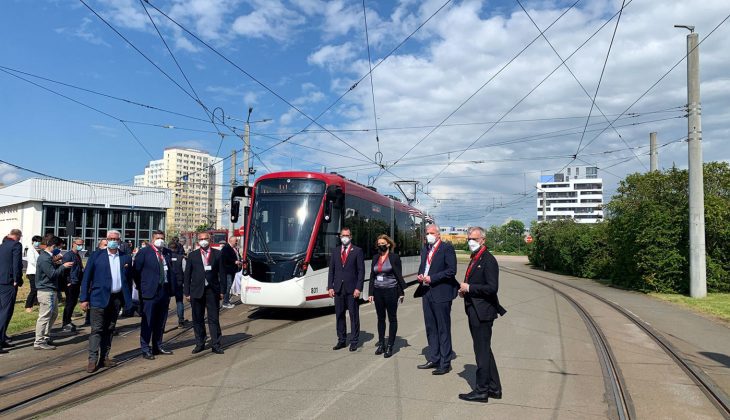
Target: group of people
(438, 287)
(104, 288)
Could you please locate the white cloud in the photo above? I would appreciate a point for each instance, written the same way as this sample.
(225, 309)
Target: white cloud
(8, 174)
(83, 32)
(269, 19)
(332, 57)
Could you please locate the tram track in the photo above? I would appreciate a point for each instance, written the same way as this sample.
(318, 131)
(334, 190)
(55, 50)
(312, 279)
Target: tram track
(76, 377)
(713, 393)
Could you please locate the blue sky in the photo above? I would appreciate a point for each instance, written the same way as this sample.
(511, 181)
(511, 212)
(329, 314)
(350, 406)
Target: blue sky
(310, 52)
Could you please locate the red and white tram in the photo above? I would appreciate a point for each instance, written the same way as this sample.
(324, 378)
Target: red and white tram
(293, 222)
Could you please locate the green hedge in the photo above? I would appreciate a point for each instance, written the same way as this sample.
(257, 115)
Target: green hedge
(643, 243)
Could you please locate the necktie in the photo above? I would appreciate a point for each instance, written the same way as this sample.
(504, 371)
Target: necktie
(162, 268)
(343, 257)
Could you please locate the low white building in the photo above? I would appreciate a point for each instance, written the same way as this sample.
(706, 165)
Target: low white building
(38, 206)
(576, 193)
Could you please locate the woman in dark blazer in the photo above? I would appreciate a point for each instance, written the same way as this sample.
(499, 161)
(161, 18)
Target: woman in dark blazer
(386, 289)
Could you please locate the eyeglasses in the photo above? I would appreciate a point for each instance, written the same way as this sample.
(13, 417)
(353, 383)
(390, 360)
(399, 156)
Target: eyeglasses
(345, 236)
(474, 239)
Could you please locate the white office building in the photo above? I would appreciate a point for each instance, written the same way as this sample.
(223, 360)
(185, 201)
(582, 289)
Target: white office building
(196, 179)
(575, 193)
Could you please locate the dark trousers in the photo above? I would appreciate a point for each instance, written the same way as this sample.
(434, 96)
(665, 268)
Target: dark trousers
(208, 302)
(32, 298)
(154, 316)
(7, 305)
(72, 298)
(226, 285)
(437, 317)
(481, 335)
(386, 301)
(103, 322)
(346, 302)
(180, 304)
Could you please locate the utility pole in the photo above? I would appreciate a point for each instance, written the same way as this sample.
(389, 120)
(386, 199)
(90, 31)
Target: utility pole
(653, 153)
(697, 261)
(233, 185)
(247, 150)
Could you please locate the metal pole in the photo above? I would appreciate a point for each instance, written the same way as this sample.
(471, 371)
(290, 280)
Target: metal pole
(233, 184)
(247, 150)
(697, 263)
(653, 153)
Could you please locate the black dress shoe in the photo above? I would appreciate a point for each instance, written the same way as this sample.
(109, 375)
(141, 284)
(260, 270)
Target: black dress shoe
(161, 350)
(147, 355)
(353, 347)
(380, 349)
(217, 350)
(339, 345)
(496, 395)
(428, 365)
(388, 351)
(441, 371)
(197, 349)
(474, 397)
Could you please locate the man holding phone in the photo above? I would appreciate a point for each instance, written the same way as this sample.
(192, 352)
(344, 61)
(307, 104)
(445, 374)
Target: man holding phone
(47, 280)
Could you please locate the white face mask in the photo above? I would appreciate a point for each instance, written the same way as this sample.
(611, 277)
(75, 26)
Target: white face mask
(473, 245)
(159, 243)
(431, 239)
(203, 243)
(345, 240)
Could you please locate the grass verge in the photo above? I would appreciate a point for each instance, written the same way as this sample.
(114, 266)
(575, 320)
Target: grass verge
(715, 304)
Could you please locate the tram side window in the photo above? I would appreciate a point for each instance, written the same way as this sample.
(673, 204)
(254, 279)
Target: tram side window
(418, 228)
(366, 221)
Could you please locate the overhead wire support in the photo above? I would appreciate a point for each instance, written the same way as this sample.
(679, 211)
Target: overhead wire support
(378, 154)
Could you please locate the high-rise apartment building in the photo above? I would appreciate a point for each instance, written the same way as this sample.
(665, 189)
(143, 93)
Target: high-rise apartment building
(196, 180)
(575, 193)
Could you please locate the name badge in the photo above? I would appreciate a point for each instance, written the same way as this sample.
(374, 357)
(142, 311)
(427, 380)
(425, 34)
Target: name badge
(207, 268)
(379, 278)
(174, 259)
(165, 267)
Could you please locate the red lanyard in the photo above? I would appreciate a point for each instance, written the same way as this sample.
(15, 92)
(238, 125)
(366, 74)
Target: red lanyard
(381, 261)
(473, 260)
(429, 257)
(159, 254)
(205, 256)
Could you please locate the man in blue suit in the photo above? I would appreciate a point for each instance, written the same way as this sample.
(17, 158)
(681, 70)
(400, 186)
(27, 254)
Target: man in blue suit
(344, 284)
(11, 277)
(438, 287)
(103, 292)
(156, 283)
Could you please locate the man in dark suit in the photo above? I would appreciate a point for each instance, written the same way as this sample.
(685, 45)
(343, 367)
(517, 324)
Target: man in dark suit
(73, 283)
(155, 282)
(344, 283)
(438, 287)
(481, 303)
(231, 264)
(202, 288)
(103, 292)
(178, 273)
(11, 277)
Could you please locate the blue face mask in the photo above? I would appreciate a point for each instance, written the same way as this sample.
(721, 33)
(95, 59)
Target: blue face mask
(112, 244)
(79, 247)
(36, 244)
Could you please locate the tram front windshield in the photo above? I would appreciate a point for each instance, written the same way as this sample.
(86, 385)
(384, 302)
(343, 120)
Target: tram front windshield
(284, 212)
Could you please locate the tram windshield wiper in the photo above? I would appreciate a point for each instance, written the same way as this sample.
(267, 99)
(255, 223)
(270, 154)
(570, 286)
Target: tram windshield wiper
(264, 245)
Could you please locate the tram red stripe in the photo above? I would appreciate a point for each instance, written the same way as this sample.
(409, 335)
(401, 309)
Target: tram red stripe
(315, 297)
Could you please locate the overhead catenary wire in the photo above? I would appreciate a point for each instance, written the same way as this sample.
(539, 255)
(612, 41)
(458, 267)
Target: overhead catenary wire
(595, 95)
(531, 91)
(469, 98)
(378, 154)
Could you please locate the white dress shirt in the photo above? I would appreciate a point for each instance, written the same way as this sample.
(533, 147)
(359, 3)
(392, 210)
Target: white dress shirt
(116, 271)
